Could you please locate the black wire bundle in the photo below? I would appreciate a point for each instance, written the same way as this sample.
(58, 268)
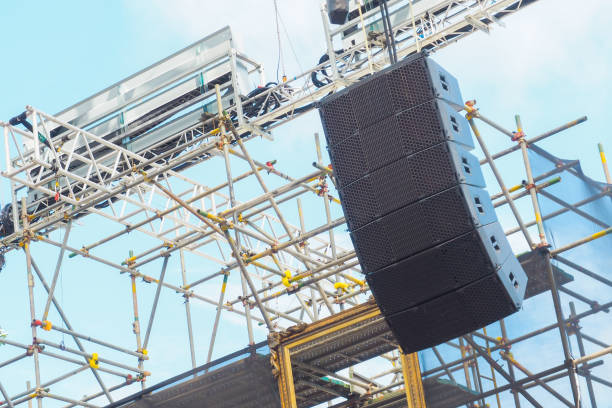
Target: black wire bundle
(263, 104)
(6, 221)
(314, 76)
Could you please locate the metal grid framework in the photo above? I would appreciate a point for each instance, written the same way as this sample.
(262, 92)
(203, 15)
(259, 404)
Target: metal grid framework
(289, 274)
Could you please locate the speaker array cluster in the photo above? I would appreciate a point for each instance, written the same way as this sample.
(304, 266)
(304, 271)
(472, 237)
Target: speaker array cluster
(423, 227)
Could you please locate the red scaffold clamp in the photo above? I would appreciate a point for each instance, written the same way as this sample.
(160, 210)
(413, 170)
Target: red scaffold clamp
(57, 193)
(270, 165)
(322, 187)
(518, 136)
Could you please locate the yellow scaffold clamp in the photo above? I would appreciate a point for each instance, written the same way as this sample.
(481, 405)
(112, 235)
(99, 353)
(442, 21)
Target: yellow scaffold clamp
(93, 361)
(470, 109)
(145, 354)
(287, 279)
(39, 393)
(341, 286)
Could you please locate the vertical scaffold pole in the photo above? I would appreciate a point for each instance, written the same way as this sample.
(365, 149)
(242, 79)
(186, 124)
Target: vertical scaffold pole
(504, 333)
(9, 168)
(28, 386)
(520, 137)
(30, 277)
(187, 309)
(563, 333)
(466, 373)
(137, 325)
(415, 396)
(332, 241)
(313, 299)
(579, 340)
(235, 244)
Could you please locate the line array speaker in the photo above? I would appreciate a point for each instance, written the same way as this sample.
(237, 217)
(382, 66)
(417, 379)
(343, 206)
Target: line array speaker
(423, 227)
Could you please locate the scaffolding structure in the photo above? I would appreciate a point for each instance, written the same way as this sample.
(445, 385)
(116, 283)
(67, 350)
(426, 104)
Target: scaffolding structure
(277, 238)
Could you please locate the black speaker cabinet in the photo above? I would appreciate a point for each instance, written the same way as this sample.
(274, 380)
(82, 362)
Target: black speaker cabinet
(407, 180)
(461, 311)
(409, 83)
(419, 226)
(423, 227)
(398, 136)
(444, 268)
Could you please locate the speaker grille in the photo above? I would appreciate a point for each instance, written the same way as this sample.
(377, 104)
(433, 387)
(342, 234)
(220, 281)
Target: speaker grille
(488, 301)
(448, 215)
(412, 229)
(372, 247)
(410, 85)
(433, 170)
(401, 183)
(371, 100)
(348, 161)
(454, 314)
(389, 140)
(359, 202)
(430, 324)
(430, 274)
(382, 144)
(338, 118)
(421, 127)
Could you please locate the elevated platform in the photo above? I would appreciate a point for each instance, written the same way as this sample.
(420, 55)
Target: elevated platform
(317, 351)
(246, 383)
(352, 344)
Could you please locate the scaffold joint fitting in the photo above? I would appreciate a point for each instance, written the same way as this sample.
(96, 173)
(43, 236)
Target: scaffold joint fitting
(94, 362)
(518, 136)
(32, 347)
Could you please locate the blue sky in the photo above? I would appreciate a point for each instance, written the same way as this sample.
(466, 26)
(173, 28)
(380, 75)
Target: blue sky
(551, 63)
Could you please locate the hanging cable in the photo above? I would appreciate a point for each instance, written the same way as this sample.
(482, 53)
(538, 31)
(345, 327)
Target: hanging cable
(279, 62)
(388, 17)
(297, 60)
(295, 55)
(384, 14)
